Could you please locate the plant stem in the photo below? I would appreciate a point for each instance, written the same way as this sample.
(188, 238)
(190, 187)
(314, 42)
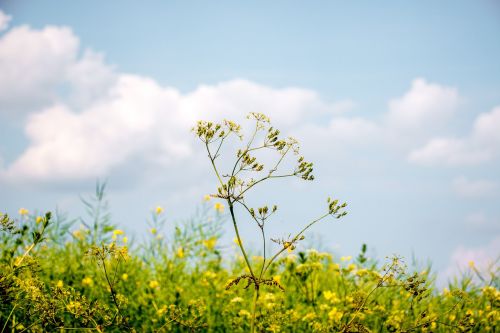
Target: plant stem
(254, 308)
(231, 209)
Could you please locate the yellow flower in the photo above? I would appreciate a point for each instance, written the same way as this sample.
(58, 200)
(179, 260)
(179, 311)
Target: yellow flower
(38, 219)
(87, 281)
(153, 284)
(235, 240)
(153, 231)
(347, 258)
(210, 243)
(118, 232)
(219, 207)
(277, 278)
(125, 240)
(335, 315)
(158, 210)
(244, 313)
(351, 267)
(471, 264)
(124, 276)
(180, 252)
(23, 211)
(206, 197)
(237, 299)
(59, 284)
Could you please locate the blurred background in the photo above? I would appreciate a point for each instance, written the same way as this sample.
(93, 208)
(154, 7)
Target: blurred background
(396, 103)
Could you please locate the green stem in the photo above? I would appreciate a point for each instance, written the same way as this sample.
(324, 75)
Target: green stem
(254, 308)
(293, 240)
(7, 320)
(231, 209)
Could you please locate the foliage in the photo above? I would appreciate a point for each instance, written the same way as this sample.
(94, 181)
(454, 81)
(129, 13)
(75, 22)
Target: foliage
(56, 275)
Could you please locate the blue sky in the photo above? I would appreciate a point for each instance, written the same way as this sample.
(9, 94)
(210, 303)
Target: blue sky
(398, 105)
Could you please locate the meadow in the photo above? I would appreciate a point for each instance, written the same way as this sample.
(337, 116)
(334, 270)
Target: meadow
(87, 274)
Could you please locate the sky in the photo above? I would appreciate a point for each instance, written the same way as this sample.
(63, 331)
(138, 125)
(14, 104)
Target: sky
(396, 103)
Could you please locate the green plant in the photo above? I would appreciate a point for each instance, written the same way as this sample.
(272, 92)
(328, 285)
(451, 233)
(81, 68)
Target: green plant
(248, 172)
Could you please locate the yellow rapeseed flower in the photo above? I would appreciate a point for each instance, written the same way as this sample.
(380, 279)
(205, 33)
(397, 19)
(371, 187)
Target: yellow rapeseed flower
(153, 284)
(23, 211)
(38, 219)
(87, 281)
(346, 258)
(125, 240)
(59, 284)
(124, 276)
(153, 231)
(180, 252)
(158, 210)
(210, 243)
(118, 232)
(237, 299)
(219, 207)
(335, 315)
(206, 197)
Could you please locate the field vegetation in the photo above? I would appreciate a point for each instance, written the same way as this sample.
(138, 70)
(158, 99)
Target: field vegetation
(87, 274)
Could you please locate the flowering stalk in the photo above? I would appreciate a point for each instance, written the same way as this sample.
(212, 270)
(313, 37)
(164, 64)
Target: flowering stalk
(247, 172)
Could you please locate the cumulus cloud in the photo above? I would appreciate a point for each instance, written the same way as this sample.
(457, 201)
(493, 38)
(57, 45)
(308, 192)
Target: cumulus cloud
(140, 119)
(473, 188)
(4, 20)
(36, 65)
(482, 145)
(426, 106)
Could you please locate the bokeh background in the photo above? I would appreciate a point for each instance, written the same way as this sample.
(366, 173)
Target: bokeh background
(397, 103)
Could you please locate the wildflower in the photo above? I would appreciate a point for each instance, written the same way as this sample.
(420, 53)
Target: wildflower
(180, 252)
(125, 240)
(210, 243)
(244, 313)
(153, 284)
(289, 247)
(351, 267)
(331, 296)
(471, 264)
(277, 278)
(206, 197)
(158, 210)
(38, 219)
(118, 232)
(335, 315)
(59, 284)
(23, 211)
(309, 316)
(237, 299)
(153, 231)
(219, 207)
(124, 276)
(87, 281)
(346, 258)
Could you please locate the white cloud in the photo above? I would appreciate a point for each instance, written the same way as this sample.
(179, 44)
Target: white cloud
(473, 188)
(484, 259)
(482, 145)
(4, 20)
(140, 119)
(425, 106)
(38, 65)
(33, 63)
